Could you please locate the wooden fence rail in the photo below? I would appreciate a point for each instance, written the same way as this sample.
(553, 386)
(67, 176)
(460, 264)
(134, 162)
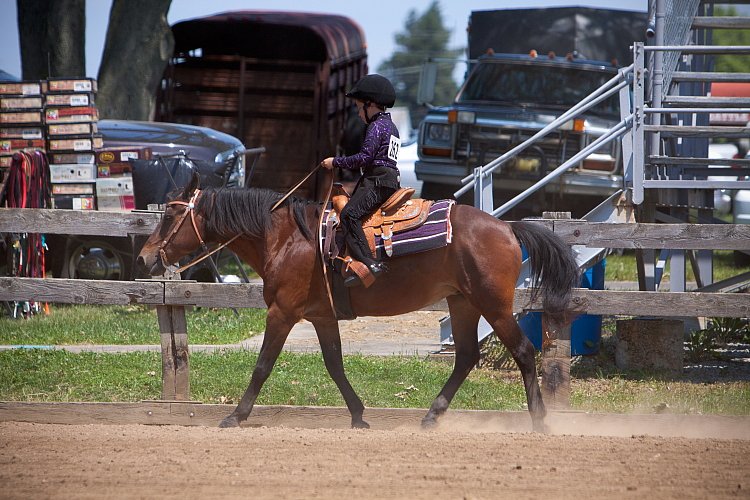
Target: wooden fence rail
(574, 232)
(250, 295)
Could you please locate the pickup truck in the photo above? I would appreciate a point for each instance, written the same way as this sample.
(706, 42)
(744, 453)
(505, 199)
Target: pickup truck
(510, 95)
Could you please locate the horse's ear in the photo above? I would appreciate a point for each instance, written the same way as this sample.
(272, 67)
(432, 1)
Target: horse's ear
(195, 183)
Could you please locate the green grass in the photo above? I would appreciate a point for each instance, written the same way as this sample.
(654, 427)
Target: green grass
(621, 394)
(122, 325)
(623, 267)
(301, 379)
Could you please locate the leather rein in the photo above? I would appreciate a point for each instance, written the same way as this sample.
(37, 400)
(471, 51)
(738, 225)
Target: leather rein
(189, 209)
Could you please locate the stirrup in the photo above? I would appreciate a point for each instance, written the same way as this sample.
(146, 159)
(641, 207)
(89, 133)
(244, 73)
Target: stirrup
(373, 270)
(352, 281)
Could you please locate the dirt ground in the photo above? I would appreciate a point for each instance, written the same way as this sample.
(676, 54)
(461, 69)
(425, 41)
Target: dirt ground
(134, 461)
(139, 461)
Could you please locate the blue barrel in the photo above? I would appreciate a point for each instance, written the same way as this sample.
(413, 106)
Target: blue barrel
(586, 330)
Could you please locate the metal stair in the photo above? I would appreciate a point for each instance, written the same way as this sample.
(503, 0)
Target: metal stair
(672, 175)
(676, 111)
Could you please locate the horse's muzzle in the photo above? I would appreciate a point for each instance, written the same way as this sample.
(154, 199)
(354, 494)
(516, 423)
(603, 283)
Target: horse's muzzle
(156, 269)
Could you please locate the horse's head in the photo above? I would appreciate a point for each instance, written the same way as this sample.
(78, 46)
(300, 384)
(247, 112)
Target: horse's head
(178, 234)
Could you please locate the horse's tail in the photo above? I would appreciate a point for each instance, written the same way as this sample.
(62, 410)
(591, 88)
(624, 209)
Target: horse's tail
(553, 268)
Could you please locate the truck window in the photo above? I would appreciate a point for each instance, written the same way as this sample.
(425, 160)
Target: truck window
(537, 84)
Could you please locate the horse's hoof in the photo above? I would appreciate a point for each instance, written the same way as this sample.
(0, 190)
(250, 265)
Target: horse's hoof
(360, 424)
(540, 427)
(229, 422)
(429, 423)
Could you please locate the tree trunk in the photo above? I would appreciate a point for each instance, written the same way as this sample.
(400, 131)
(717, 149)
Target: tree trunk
(52, 35)
(139, 44)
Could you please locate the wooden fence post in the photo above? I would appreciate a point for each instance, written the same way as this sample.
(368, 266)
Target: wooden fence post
(555, 366)
(174, 353)
(175, 366)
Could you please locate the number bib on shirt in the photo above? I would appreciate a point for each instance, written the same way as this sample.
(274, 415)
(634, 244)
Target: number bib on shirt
(393, 146)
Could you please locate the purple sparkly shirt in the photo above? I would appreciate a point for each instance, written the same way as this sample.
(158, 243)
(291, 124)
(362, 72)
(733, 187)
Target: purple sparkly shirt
(379, 149)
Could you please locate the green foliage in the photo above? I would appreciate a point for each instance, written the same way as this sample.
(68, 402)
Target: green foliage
(123, 325)
(700, 345)
(731, 63)
(424, 36)
(729, 330)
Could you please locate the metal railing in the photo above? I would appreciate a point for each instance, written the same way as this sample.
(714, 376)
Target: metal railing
(481, 179)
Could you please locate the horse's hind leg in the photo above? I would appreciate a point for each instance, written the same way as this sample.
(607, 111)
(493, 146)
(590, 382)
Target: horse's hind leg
(464, 321)
(277, 330)
(522, 350)
(330, 345)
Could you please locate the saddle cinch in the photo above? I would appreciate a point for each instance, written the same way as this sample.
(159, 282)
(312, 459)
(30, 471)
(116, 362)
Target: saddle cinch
(399, 213)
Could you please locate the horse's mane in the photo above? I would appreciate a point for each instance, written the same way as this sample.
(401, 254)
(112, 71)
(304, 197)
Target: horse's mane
(246, 211)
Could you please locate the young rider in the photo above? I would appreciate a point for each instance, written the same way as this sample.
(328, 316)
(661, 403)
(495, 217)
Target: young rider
(376, 161)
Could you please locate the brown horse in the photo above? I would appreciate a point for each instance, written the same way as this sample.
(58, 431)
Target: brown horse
(476, 273)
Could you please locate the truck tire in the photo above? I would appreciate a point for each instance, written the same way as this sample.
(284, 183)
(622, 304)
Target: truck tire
(97, 258)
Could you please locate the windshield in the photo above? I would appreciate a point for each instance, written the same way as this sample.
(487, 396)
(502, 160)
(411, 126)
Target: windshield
(537, 84)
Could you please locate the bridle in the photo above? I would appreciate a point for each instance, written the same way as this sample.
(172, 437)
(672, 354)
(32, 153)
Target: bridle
(189, 209)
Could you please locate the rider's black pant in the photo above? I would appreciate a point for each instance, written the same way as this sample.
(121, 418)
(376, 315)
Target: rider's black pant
(363, 202)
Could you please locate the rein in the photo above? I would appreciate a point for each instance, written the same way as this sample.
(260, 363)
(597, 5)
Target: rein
(190, 209)
(295, 188)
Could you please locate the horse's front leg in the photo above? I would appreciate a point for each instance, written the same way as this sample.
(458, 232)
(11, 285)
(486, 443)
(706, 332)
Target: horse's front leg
(278, 326)
(330, 345)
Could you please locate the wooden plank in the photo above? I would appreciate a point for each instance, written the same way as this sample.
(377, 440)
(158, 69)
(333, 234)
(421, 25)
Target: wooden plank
(181, 353)
(575, 232)
(638, 303)
(555, 365)
(168, 377)
(70, 291)
(89, 222)
(191, 414)
(658, 236)
(242, 295)
(174, 353)
(201, 101)
(215, 294)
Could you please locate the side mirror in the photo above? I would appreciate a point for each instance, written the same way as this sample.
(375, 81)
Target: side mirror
(427, 81)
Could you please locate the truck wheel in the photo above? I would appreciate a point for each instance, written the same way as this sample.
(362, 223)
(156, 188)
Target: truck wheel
(101, 259)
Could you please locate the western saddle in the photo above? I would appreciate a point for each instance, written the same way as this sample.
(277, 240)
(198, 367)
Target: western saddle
(399, 213)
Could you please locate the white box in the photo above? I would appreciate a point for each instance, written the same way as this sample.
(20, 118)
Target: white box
(73, 172)
(115, 203)
(114, 186)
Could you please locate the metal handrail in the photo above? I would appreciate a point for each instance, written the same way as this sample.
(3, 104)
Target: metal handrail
(612, 134)
(616, 83)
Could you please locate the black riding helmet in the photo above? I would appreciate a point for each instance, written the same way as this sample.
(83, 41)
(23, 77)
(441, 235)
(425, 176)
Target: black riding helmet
(374, 88)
